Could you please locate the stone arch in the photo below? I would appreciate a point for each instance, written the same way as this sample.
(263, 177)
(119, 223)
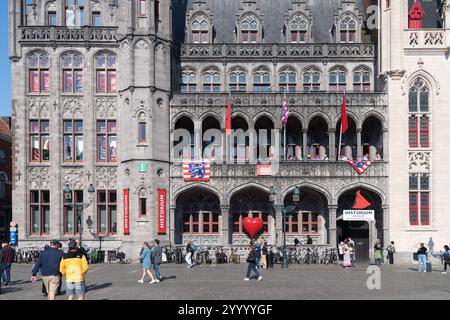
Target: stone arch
(319, 114)
(376, 114)
(244, 186)
(429, 79)
(266, 114)
(351, 115)
(210, 113)
(313, 186)
(181, 114)
(200, 185)
(355, 185)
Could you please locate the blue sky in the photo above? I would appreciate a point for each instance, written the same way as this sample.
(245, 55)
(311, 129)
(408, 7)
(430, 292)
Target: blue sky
(5, 67)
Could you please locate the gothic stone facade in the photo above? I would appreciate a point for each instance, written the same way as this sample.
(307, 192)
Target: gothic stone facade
(100, 89)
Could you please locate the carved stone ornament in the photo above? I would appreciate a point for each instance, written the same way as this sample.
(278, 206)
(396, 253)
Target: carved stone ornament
(419, 162)
(39, 178)
(106, 107)
(73, 108)
(73, 177)
(38, 107)
(106, 177)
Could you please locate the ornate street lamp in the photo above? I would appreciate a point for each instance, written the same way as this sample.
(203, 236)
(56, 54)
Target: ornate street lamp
(79, 207)
(285, 211)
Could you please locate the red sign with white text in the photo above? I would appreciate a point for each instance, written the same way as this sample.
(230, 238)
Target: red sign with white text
(126, 211)
(162, 211)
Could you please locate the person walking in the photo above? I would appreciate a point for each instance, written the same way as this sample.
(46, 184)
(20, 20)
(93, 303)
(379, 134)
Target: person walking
(156, 259)
(8, 255)
(258, 252)
(351, 245)
(347, 262)
(446, 258)
(264, 254)
(74, 267)
(251, 260)
(422, 257)
(48, 263)
(189, 253)
(391, 250)
(378, 253)
(341, 252)
(145, 257)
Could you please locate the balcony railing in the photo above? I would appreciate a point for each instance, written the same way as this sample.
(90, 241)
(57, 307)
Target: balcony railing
(53, 34)
(293, 169)
(283, 51)
(426, 39)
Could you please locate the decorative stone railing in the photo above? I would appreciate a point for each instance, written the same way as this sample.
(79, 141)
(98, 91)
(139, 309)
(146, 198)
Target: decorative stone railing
(293, 169)
(282, 51)
(54, 34)
(426, 39)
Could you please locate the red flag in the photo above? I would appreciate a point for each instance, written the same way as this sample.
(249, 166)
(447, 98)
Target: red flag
(360, 201)
(344, 119)
(228, 118)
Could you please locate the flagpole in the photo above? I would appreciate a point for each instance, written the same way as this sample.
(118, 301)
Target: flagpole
(340, 134)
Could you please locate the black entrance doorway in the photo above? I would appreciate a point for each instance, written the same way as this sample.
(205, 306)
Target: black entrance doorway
(358, 231)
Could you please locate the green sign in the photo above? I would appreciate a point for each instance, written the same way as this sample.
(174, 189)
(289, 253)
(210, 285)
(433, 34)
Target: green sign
(142, 168)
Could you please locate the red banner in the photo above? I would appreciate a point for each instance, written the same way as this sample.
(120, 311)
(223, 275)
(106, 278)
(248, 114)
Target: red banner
(162, 211)
(126, 211)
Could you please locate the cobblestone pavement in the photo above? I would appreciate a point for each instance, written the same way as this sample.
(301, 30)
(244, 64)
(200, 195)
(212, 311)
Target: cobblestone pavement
(113, 281)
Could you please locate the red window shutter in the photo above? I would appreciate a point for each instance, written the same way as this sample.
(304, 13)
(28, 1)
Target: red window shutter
(424, 132)
(413, 209)
(413, 132)
(424, 208)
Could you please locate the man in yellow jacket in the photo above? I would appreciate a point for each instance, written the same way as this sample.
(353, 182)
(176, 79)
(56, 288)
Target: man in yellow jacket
(73, 267)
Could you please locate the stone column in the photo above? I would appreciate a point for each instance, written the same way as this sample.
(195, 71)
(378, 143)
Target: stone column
(332, 225)
(278, 225)
(372, 238)
(305, 142)
(385, 155)
(198, 139)
(359, 147)
(172, 224)
(225, 226)
(332, 142)
(386, 237)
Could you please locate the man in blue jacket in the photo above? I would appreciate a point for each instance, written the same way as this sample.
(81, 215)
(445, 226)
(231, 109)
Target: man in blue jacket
(156, 258)
(48, 263)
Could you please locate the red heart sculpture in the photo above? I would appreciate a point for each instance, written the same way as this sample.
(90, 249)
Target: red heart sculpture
(252, 226)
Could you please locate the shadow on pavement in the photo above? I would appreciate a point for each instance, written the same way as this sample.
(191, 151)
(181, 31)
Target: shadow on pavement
(10, 289)
(168, 278)
(98, 287)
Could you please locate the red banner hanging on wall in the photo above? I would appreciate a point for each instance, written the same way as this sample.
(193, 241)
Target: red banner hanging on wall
(162, 211)
(126, 211)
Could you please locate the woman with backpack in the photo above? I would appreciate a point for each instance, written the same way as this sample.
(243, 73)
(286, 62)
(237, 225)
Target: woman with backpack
(145, 258)
(251, 260)
(446, 258)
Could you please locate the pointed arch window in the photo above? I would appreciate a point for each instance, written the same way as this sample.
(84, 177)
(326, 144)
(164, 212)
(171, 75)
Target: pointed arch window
(299, 29)
(142, 134)
(38, 72)
(419, 119)
(249, 29)
(72, 64)
(361, 80)
(238, 81)
(288, 80)
(347, 27)
(188, 81)
(338, 80)
(200, 28)
(106, 76)
(261, 81)
(311, 80)
(211, 81)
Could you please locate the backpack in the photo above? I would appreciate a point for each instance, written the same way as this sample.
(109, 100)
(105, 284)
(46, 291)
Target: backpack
(193, 248)
(446, 257)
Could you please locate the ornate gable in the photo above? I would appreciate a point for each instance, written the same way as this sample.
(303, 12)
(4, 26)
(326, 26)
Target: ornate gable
(249, 20)
(348, 20)
(199, 20)
(298, 20)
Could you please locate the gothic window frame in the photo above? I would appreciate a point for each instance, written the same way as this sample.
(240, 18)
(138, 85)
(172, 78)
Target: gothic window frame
(338, 85)
(344, 28)
(238, 85)
(38, 71)
(72, 69)
(419, 199)
(202, 30)
(250, 29)
(419, 114)
(364, 84)
(302, 33)
(214, 83)
(107, 84)
(287, 80)
(264, 83)
(39, 131)
(106, 130)
(189, 80)
(43, 211)
(109, 205)
(309, 84)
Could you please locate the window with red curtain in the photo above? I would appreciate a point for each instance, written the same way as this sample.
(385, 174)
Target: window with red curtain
(106, 78)
(38, 73)
(413, 208)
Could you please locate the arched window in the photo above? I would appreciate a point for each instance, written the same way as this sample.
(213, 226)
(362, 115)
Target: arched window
(311, 80)
(51, 14)
(106, 76)
(211, 81)
(38, 72)
(419, 118)
(347, 27)
(142, 128)
(249, 29)
(261, 80)
(299, 28)
(188, 81)
(72, 64)
(338, 80)
(200, 29)
(288, 80)
(237, 80)
(361, 80)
